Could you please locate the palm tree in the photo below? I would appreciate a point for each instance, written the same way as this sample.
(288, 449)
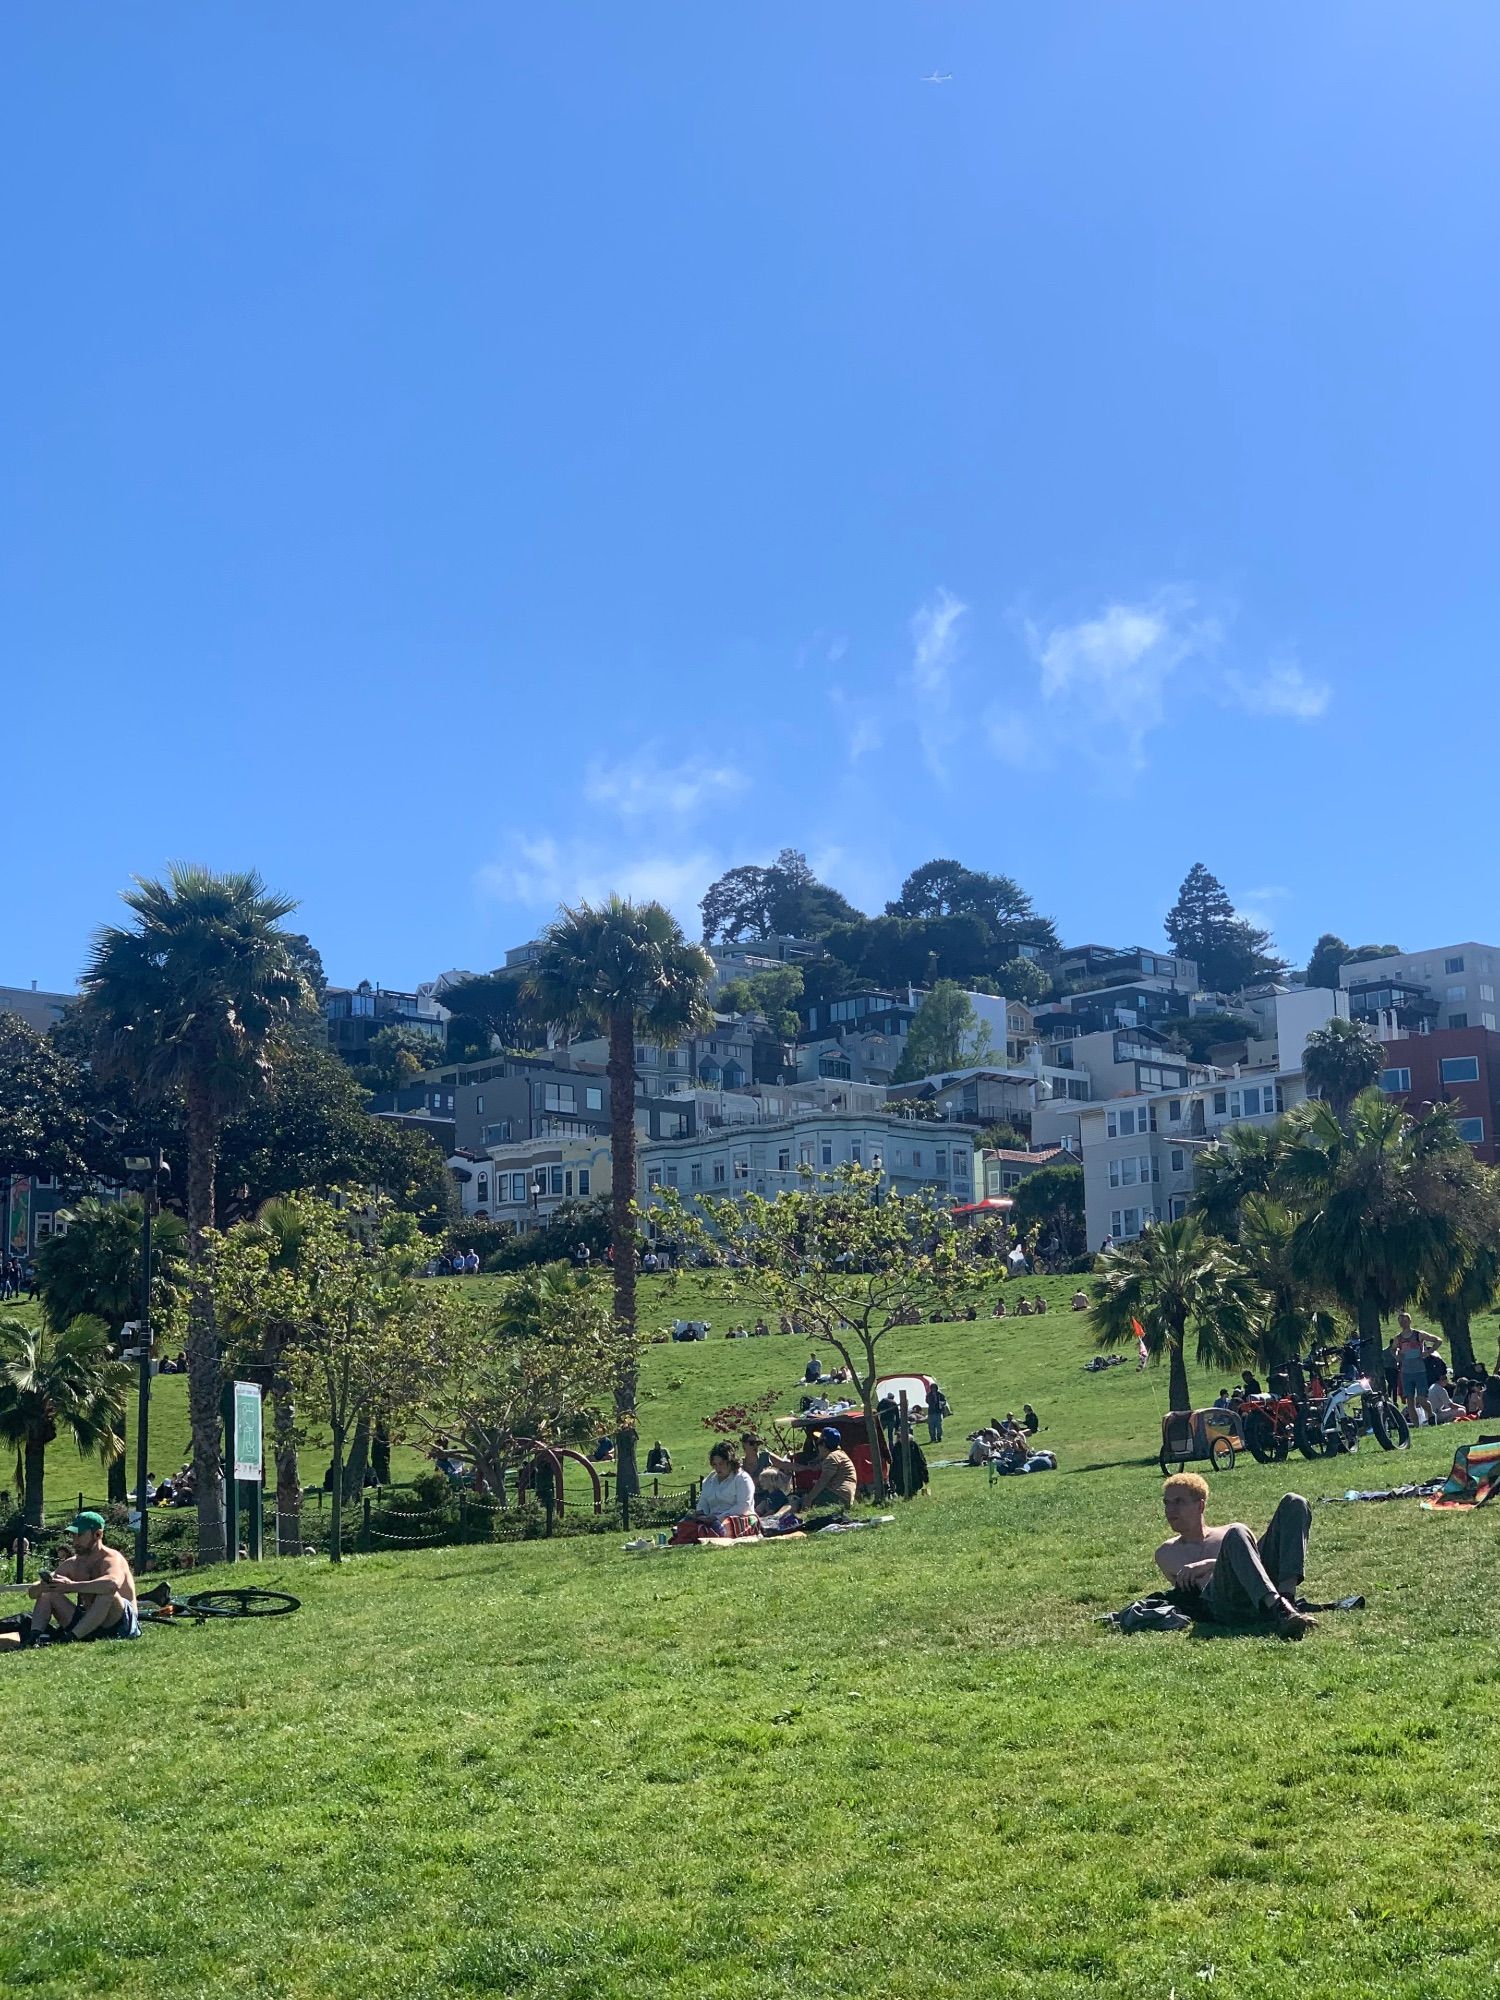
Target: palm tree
(95, 1267)
(1341, 1059)
(1172, 1280)
(621, 969)
(1241, 1164)
(187, 1000)
(1286, 1315)
(52, 1383)
(1371, 1218)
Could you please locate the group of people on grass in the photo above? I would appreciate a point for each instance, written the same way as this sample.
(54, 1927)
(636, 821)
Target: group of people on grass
(751, 1489)
(1003, 1437)
(1024, 1308)
(1416, 1372)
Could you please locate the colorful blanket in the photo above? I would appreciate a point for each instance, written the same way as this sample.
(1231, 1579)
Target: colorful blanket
(1475, 1478)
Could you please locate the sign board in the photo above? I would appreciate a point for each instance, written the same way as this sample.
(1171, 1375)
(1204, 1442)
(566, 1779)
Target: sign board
(247, 1435)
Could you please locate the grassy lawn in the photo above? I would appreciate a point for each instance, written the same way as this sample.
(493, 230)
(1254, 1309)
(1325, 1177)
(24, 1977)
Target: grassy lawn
(905, 1762)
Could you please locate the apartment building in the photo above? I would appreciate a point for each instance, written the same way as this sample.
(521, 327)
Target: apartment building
(525, 1183)
(356, 1014)
(767, 1159)
(979, 1096)
(1110, 988)
(682, 1112)
(503, 1099)
(1459, 1066)
(1415, 992)
(40, 1011)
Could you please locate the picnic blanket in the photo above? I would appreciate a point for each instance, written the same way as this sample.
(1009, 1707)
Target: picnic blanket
(649, 1547)
(1474, 1479)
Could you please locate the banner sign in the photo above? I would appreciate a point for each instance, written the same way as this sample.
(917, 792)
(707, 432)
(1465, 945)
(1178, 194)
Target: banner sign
(247, 1437)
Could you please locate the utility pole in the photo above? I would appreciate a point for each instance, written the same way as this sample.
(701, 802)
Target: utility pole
(145, 1170)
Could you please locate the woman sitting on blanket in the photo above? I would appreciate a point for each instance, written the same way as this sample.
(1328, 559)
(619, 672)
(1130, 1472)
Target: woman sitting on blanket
(726, 1499)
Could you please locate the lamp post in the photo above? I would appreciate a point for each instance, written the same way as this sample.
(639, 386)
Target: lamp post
(145, 1171)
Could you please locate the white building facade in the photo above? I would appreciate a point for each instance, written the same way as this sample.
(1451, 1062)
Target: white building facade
(910, 1155)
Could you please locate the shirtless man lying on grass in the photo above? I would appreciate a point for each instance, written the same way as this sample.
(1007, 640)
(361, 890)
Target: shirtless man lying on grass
(90, 1594)
(1242, 1581)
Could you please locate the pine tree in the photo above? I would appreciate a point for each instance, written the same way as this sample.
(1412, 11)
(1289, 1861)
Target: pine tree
(1202, 925)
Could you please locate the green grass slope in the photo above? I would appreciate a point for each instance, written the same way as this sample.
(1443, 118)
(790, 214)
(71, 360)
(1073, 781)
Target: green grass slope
(904, 1762)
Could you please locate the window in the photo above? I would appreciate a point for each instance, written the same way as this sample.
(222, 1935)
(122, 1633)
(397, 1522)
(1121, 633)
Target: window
(916, 1159)
(1394, 1081)
(1221, 1103)
(1125, 1223)
(960, 1166)
(482, 1189)
(479, 1105)
(992, 1181)
(1458, 1020)
(1010, 1179)
(695, 1174)
(1458, 992)
(557, 1180)
(1177, 1207)
(518, 1187)
(1486, 992)
(671, 1177)
(1178, 1160)
(1471, 1129)
(1174, 1111)
(559, 1097)
(1487, 1019)
(1460, 1069)
(593, 1097)
(856, 1152)
(718, 1173)
(826, 1153)
(804, 1152)
(568, 1183)
(784, 1160)
(653, 1177)
(677, 1059)
(1453, 965)
(742, 1166)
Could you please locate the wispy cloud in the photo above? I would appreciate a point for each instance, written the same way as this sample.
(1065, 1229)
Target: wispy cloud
(1282, 690)
(1107, 676)
(935, 649)
(543, 873)
(643, 783)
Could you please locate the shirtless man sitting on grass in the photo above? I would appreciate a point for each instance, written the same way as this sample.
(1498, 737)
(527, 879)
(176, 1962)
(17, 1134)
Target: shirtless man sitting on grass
(90, 1594)
(1242, 1581)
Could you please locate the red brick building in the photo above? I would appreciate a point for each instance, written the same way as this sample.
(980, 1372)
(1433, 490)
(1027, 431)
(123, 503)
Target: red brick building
(1460, 1066)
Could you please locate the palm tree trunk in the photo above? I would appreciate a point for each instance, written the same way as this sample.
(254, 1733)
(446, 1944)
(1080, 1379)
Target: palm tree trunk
(34, 1462)
(1178, 1394)
(621, 1072)
(202, 1338)
(288, 1472)
(1456, 1331)
(1371, 1345)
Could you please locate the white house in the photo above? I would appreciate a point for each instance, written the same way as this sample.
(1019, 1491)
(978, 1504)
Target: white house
(909, 1155)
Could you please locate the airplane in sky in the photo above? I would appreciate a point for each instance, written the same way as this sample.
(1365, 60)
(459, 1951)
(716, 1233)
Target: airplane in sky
(936, 78)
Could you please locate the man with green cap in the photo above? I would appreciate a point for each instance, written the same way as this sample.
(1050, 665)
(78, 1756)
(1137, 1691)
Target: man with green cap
(90, 1594)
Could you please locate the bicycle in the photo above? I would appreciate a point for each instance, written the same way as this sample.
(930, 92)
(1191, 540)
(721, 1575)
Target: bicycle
(1356, 1406)
(160, 1607)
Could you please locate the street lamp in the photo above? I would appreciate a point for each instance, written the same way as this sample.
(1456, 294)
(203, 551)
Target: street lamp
(144, 1171)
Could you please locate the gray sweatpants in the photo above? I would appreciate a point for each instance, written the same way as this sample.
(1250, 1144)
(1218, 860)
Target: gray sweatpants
(1246, 1572)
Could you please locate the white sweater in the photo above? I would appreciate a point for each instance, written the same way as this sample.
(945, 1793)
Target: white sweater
(718, 1498)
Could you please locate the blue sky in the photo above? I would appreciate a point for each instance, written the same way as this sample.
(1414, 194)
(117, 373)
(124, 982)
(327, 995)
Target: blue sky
(458, 457)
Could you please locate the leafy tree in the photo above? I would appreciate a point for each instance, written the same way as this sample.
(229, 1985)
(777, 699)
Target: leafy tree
(1172, 1281)
(1022, 979)
(622, 969)
(850, 1264)
(947, 1034)
(42, 1117)
(1341, 1059)
(1463, 1277)
(786, 899)
(53, 1384)
(582, 1224)
(487, 1008)
(1009, 1137)
(536, 1369)
(396, 1054)
(1050, 1202)
(187, 999)
(94, 1270)
(1359, 953)
(948, 889)
(773, 992)
(902, 951)
(351, 1332)
(1202, 925)
(1328, 955)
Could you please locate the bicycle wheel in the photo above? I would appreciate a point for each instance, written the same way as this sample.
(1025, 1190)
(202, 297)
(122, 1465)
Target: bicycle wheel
(1309, 1439)
(242, 1604)
(1221, 1457)
(1260, 1436)
(1392, 1431)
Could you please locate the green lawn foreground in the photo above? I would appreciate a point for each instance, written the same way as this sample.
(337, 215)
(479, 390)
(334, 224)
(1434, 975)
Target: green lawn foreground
(906, 1762)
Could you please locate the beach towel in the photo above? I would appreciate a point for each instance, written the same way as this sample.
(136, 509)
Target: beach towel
(1474, 1479)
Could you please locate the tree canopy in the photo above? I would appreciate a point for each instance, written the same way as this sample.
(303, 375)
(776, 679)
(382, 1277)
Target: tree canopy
(947, 1034)
(1229, 951)
(946, 888)
(784, 900)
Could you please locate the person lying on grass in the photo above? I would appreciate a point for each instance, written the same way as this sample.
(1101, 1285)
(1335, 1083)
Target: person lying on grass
(90, 1594)
(1240, 1580)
